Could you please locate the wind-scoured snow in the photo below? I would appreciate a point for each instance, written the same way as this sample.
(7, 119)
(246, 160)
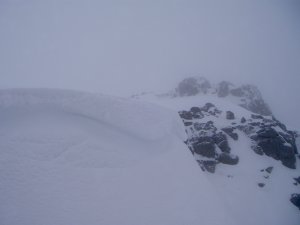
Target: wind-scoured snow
(76, 158)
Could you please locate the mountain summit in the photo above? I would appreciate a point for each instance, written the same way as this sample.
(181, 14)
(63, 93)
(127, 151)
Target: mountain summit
(247, 96)
(232, 132)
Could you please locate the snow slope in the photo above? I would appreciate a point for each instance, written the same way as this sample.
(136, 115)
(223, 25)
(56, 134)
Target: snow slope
(237, 186)
(76, 158)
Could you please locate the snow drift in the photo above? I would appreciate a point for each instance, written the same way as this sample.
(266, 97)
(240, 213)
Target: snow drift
(77, 158)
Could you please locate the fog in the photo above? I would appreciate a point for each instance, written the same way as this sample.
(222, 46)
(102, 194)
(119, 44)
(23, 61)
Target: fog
(125, 47)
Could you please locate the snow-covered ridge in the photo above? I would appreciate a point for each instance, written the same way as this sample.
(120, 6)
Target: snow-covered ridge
(233, 135)
(247, 96)
(143, 120)
(70, 157)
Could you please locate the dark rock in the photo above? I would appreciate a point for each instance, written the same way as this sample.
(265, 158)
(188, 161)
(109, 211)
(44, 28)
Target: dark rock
(269, 169)
(186, 115)
(261, 185)
(188, 87)
(208, 126)
(247, 129)
(207, 106)
(238, 92)
(230, 115)
(223, 89)
(255, 124)
(273, 144)
(221, 141)
(230, 132)
(295, 199)
(297, 179)
(267, 133)
(205, 146)
(188, 124)
(243, 120)
(209, 165)
(257, 149)
(255, 116)
(229, 159)
(196, 112)
(255, 102)
(274, 147)
(192, 86)
(270, 148)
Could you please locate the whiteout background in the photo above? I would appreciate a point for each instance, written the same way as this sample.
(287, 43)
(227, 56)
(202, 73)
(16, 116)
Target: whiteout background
(123, 47)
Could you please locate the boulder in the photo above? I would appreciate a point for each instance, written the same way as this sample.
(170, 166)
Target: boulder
(205, 146)
(230, 115)
(243, 120)
(229, 159)
(187, 115)
(207, 106)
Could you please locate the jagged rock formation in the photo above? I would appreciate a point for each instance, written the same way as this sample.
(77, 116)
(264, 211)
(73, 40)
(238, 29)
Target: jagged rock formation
(235, 124)
(208, 140)
(295, 199)
(247, 96)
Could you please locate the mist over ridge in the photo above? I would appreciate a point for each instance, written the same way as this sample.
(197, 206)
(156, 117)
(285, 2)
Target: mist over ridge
(125, 47)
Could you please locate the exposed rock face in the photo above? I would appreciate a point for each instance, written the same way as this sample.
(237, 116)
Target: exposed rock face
(227, 158)
(251, 99)
(209, 141)
(273, 144)
(230, 132)
(247, 96)
(295, 199)
(212, 133)
(192, 86)
(224, 89)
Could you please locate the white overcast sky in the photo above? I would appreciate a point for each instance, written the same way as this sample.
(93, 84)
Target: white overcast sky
(123, 47)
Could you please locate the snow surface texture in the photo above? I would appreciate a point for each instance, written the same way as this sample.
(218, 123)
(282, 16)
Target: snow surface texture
(237, 186)
(75, 158)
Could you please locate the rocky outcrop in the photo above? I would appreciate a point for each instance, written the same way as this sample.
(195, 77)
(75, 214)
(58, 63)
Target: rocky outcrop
(208, 143)
(295, 199)
(193, 86)
(251, 99)
(208, 136)
(273, 144)
(247, 96)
